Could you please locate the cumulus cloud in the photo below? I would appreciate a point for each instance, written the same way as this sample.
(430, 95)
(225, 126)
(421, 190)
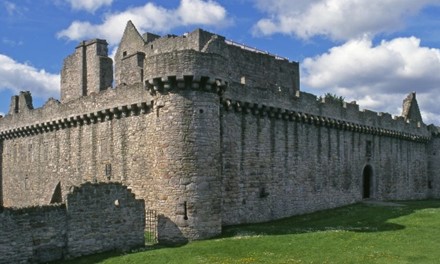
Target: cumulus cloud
(149, 17)
(378, 77)
(336, 19)
(17, 76)
(89, 5)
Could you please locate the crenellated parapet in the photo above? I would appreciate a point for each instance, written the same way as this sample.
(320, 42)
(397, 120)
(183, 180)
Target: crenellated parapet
(103, 115)
(395, 128)
(187, 82)
(205, 54)
(110, 104)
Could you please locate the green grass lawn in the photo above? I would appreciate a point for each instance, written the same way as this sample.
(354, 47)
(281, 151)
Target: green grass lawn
(361, 233)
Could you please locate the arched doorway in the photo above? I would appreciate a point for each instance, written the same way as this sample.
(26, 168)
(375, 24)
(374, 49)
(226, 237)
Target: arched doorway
(367, 182)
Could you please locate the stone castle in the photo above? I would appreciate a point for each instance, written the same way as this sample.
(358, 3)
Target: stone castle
(208, 133)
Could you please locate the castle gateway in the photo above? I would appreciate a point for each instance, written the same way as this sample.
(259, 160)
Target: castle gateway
(209, 133)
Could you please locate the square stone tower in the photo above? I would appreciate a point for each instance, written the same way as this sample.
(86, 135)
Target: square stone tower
(88, 70)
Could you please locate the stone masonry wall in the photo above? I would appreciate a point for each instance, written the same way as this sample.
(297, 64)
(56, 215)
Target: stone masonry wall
(96, 218)
(185, 167)
(154, 148)
(256, 70)
(103, 217)
(185, 63)
(274, 168)
(32, 235)
(434, 164)
(133, 68)
(88, 70)
(1, 177)
(99, 67)
(131, 43)
(68, 142)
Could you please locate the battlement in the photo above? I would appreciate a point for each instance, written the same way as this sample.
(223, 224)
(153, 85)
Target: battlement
(202, 53)
(112, 103)
(306, 108)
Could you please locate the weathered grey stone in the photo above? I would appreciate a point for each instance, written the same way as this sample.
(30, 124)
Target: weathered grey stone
(88, 223)
(209, 133)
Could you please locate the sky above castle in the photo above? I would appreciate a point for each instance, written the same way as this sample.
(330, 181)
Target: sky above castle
(374, 52)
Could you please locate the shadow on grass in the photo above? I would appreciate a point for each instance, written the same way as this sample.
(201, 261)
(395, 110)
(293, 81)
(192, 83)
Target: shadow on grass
(100, 257)
(360, 217)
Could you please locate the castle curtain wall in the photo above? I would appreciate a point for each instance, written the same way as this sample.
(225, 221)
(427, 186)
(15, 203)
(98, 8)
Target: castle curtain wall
(1, 178)
(434, 166)
(291, 154)
(166, 148)
(83, 140)
(273, 168)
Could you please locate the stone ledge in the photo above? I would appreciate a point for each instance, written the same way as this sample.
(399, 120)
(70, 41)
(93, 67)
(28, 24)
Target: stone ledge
(107, 114)
(317, 120)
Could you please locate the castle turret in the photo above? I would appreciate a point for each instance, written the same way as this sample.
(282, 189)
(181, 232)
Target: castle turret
(188, 160)
(187, 164)
(88, 70)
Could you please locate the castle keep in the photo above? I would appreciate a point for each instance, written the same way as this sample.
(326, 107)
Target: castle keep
(209, 133)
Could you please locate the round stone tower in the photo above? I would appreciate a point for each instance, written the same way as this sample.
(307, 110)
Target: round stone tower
(187, 160)
(187, 155)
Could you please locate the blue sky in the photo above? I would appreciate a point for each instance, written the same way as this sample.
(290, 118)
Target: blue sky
(374, 52)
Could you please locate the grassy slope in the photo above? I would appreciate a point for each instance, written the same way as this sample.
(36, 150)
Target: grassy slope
(353, 234)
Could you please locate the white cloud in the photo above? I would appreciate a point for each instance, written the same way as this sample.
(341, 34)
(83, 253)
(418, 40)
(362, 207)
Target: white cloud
(149, 17)
(89, 5)
(378, 77)
(337, 19)
(11, 42)
(17, 77)
(12, 9)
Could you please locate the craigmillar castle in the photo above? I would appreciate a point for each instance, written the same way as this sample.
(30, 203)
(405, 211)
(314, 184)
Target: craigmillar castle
(208, 133)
